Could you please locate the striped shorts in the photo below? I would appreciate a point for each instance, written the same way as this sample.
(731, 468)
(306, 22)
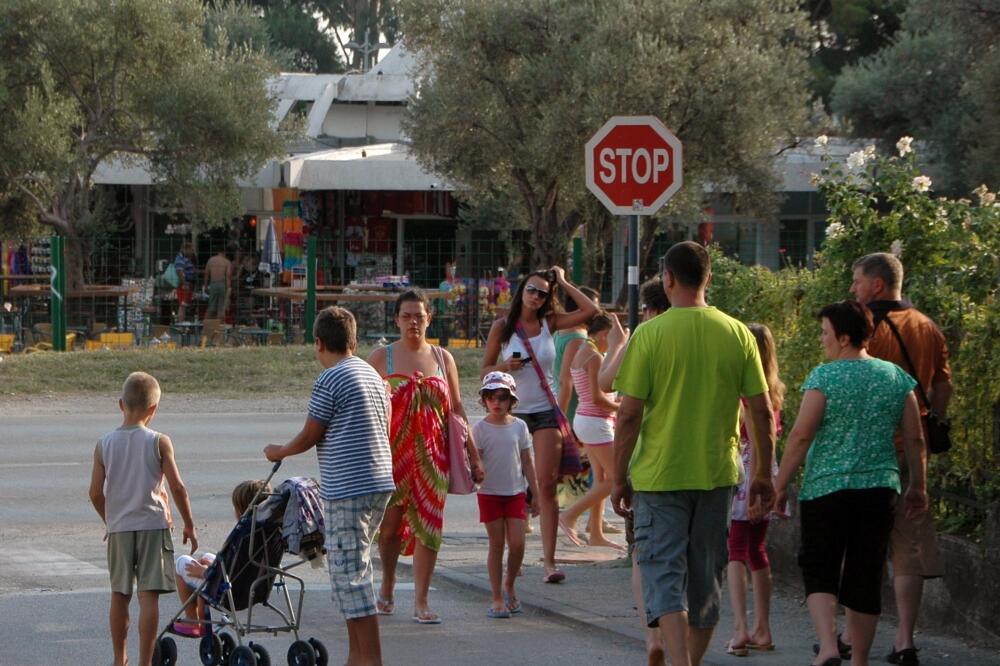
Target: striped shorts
(350, 527)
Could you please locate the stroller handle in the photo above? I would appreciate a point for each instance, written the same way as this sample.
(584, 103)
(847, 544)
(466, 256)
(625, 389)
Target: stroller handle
(274, 470)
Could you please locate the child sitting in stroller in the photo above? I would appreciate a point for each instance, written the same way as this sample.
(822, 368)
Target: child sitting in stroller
(190, 572)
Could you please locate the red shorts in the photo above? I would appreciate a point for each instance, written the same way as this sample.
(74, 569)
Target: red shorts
(184, 294)
(495, 507)
(747, 544)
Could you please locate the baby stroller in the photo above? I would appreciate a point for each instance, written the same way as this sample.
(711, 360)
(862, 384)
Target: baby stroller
(246, 570)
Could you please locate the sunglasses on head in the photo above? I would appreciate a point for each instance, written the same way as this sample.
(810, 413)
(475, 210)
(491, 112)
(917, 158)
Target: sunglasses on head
(532, 289)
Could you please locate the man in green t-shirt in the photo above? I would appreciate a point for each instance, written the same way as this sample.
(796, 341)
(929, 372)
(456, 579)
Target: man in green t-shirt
(676, 450)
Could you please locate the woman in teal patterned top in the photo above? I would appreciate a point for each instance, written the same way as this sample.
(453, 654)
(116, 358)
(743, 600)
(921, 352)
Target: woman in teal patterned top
(851, 409)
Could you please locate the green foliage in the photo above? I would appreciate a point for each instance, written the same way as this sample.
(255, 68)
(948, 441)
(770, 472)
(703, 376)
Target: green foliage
(86, 82)
(845, 31)
(938, 79)
(951, 251)
(512, 90)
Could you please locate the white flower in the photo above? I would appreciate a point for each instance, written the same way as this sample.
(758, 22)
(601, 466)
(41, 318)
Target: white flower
(822, 140)
(815, 179)
(903, 146)
(896, 249)
(870, 151)
(834, 229)
(856, 160)
(921, 183)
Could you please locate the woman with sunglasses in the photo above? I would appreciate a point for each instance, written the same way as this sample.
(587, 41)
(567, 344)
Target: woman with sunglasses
(533, 311)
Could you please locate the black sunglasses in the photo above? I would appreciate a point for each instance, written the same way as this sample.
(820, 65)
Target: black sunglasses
(532, 289)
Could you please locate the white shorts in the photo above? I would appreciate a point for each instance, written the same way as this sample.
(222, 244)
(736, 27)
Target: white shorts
(181, 568)
(594, 430)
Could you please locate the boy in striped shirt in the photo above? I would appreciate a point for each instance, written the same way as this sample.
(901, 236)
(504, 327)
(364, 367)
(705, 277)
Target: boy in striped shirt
(348, 423)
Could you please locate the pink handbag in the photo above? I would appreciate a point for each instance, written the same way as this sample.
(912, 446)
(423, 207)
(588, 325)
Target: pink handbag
(459, 469)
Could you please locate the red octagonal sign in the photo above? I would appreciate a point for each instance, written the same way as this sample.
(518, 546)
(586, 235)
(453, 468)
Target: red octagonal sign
(634, 165)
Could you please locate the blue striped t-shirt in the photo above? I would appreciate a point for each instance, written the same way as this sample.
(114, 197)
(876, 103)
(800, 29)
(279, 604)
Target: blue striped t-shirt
(354, 457)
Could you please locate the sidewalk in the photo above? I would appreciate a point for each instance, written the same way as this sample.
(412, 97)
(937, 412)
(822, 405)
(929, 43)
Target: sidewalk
(597, 597)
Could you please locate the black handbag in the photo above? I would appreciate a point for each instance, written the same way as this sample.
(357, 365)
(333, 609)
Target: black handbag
(938, 429)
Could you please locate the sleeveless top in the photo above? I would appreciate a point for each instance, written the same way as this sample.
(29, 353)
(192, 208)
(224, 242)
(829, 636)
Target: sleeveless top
(388, 363)
(531, 396)
(562, 340)
(133, 480)
(586, 406)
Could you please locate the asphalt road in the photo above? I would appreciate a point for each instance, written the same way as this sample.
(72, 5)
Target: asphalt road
(53, 579)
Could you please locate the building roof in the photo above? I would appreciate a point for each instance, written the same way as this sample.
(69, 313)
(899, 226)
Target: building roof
(380, 166)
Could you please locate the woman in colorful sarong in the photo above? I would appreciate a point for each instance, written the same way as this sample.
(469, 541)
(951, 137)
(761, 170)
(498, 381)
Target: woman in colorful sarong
(421, 377)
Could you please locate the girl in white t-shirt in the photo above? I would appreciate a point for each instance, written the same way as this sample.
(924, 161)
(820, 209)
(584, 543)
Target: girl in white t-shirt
(505, 449)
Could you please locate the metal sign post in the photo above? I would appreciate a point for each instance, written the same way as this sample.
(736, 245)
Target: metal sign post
(57, 281)
(633, 271)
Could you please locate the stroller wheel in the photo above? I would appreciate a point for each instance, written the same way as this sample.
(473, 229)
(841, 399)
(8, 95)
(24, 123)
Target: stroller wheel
(165, 653)
(228, 645)
(243, 656)
(263, 658)
(322, 657)
(210, 650)
(301, 654)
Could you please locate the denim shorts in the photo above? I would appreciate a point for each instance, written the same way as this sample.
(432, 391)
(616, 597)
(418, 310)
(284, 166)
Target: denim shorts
(539, 420)
(680, 543)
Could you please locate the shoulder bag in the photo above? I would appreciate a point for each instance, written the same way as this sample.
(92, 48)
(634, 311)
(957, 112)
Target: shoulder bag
(459, 469)
(569, 463)
(938, 429)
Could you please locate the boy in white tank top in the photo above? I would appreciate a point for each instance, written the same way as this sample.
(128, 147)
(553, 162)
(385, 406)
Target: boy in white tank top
(126, 489)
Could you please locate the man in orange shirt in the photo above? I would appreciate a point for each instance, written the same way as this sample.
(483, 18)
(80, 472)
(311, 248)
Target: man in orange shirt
(878, 283)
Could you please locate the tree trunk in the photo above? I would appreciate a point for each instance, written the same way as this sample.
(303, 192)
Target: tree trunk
(74, 261)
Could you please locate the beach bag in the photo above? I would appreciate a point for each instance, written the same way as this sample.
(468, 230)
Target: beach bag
(459, 469)
(569, 463)
(170, 279)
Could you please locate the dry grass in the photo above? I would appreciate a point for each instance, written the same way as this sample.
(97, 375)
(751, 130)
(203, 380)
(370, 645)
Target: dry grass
(223, 372)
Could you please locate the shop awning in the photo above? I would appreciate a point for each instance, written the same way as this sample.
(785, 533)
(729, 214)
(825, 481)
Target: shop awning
(380, 166)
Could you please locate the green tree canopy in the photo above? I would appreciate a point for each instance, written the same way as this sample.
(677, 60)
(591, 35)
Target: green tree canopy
(84, 82)
(940, 80)
(845, 31)
(512, 89)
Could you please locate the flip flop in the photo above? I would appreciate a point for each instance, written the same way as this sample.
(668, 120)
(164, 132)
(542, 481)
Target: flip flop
(427, 617)
(570, 533)
(763, 647)
(385, 606)
(495, 614)
(554, 576)
(513, 606)
(187, 629)
(741, 651)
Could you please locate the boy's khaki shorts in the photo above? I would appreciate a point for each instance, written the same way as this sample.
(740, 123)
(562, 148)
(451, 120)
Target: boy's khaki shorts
(146, 556)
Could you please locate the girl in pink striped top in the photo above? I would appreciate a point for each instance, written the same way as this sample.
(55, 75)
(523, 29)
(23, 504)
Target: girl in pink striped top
(594, 425)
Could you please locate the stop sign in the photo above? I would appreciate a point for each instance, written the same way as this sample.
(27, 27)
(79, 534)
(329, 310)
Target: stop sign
(634, 165)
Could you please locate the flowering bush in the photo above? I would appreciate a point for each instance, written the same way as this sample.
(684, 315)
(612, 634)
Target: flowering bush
(950, 249)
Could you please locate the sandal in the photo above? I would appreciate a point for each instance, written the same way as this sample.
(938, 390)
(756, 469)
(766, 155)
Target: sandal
(554, 576)
(737, 651)
(385, 606)
(513, 604)
(426, 616)
(570, 533)
(182, 628)
(495, 614)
